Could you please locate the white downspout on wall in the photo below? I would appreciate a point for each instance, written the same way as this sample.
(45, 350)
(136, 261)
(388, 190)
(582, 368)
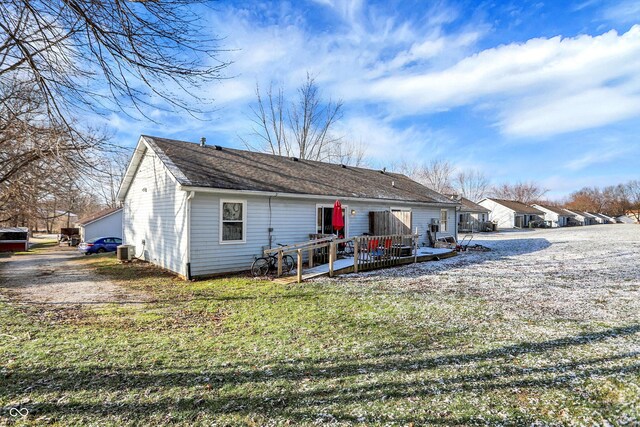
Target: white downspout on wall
(190, 196)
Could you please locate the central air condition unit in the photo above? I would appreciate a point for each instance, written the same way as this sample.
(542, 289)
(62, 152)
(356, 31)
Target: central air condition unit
(125, 252)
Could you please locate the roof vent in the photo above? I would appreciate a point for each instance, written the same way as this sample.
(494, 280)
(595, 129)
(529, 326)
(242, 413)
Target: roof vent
(393, 183)
(203, 141)
(344, 166)
(218, 148)
(295, 159)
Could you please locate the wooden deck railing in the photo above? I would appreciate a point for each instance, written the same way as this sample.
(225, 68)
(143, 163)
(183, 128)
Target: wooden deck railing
(369, 252)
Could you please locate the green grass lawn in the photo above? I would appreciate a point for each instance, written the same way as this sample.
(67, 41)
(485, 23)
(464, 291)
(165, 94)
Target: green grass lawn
(237, 351)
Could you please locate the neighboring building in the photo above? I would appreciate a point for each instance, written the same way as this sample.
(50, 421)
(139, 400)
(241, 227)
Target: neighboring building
(14, 239)
(510, 213)
(106, 223)
(471, 216)
(582, 218)
(607, 218)
(555, 216)
(624, 219)
(202, 210)
(634, 215)
(597, 219)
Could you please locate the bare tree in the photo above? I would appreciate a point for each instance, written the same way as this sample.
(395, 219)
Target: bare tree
(302, 128)
(435, 175)
(472, 184)
(632, 189)
(523, 192)
(62, 58)
(111, 54)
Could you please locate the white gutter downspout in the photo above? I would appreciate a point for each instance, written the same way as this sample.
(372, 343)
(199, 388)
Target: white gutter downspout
(190, 196)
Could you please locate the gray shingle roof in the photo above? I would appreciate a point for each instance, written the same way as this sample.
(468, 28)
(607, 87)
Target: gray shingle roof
(518, 207)
(556, 210)
(231, 169)
(97, 215)
(469, 206)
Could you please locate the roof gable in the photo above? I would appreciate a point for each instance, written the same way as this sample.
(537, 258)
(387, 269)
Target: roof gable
(554, 209)
(469, 206)
(517, 207)
(98, 215)
(193, 165)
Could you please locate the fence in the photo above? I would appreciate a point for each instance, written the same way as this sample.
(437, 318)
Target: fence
(369, 252)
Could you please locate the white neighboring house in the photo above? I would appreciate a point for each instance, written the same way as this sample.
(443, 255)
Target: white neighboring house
(471, 216)
(510, 214)
(201, 210)
(596, 219)
(582, 218)
(605, 218)
(106, 223)
(555, 216)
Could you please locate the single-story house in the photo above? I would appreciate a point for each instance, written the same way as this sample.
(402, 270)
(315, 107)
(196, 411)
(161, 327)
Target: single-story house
(201, 210)
(555, 216)
(105, 223)
(581, 218)
(607, 218)
(634, 215)
(471, 216)
(624, 219)
(597, 219)
(14, 239)
(510, 213)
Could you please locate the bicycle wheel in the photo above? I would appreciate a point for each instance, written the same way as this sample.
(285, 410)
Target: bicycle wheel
(348, 248)
(260, 267)
(287, 263)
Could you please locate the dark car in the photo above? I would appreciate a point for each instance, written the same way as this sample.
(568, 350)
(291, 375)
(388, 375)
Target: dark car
(100, 245)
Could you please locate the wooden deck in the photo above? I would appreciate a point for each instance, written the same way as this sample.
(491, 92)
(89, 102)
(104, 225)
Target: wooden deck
(345, 265)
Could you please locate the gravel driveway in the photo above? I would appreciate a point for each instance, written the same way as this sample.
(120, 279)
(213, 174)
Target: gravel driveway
(58, 276)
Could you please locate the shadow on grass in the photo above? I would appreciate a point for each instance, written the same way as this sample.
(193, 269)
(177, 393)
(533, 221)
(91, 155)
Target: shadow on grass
(409, 375)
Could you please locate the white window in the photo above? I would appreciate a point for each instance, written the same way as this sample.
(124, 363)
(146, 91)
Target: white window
(233, 216)
(443, 220)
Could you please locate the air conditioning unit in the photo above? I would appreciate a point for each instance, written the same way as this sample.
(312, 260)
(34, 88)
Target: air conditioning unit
(125, 252)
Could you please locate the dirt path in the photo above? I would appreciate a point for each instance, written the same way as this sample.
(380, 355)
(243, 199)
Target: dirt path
(58, 277)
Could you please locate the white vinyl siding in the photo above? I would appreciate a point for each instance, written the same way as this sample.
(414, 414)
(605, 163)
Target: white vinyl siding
(108, 226)
(155, 211)
(292, 221)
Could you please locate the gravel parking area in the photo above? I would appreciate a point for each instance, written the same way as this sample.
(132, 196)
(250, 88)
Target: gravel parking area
(58, 276)
(581, 273)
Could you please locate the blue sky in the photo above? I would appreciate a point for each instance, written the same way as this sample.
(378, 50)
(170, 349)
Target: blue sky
(527, 90)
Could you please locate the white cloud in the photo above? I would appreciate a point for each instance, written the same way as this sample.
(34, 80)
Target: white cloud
(591, 73)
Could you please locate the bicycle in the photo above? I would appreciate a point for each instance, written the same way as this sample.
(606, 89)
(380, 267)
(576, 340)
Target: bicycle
(267, 264)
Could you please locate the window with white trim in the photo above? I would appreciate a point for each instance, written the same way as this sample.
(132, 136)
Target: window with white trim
(233, 215)
(443, 220)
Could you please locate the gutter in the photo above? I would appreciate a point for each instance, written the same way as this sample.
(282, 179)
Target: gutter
(311, 196)
(190, 196)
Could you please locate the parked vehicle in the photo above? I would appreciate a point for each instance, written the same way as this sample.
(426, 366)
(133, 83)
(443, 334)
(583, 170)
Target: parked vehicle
(100, 245)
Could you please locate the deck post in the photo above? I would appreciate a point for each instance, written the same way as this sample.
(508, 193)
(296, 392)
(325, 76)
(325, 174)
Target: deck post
(279, 263)
(299, 265)
(332, 256)
(310, 258)
(355, 255)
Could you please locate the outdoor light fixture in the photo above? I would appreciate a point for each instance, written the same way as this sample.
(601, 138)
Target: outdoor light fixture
(144, 190)
(353, 212)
